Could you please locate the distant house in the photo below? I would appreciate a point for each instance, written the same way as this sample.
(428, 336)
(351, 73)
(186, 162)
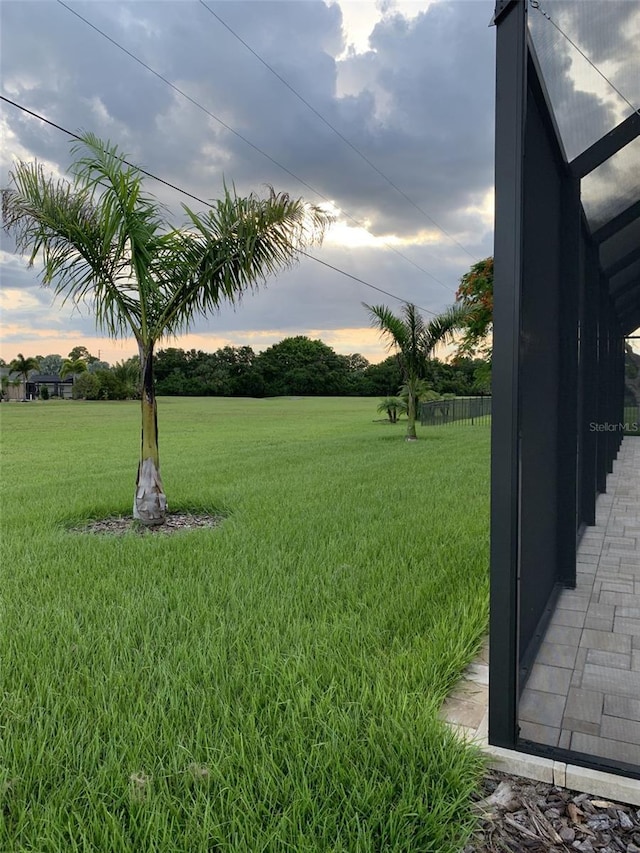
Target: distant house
(56, 386)
(15, 388)
(10, 389)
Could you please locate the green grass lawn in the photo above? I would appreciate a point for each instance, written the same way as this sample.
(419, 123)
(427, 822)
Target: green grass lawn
(270, 685)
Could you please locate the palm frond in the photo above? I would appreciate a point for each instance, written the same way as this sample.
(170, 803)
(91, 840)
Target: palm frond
(391, 326)
(443, 328)
(230, 250)
(98, 236)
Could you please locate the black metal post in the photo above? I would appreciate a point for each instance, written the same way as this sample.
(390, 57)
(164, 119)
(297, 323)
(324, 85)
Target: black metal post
(589, 382)
(511, 64)
(567, 439)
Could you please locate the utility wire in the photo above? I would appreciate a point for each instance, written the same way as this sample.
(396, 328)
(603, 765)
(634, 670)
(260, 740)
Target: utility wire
(205, 203)
(362, 281)
(545, 14)
(334, 129)
(79, 138)
(241, 136)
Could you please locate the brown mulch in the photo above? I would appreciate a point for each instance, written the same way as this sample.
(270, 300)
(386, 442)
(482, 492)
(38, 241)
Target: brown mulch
(175, 522)
(520, 815)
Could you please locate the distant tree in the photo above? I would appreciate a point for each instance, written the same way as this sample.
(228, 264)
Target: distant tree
(293, 366)
(236, 373)
(383, 378)
(81, 353)
(110, 387)
(101, 238)
(482, 378)
(354, 374)
(51, 365)
(95, 365)
(299, 365)
(23, 367)
(415, 342)
(73, 367)
(357, 362)
(476, 294)
(169, 360)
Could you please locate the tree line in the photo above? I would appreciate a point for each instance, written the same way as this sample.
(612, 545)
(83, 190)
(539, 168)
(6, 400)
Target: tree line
(296, 366)
(299, 366)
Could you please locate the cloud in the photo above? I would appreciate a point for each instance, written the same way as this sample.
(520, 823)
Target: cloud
(418, 105)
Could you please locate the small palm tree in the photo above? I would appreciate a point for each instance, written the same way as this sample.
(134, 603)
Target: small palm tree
(415, 342)
(103, 241)
(392, 407)
(23, 367)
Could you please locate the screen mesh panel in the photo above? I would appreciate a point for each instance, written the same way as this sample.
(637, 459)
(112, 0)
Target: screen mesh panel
(586, 106)
(628, 276)
(620, 244)
(613, 186)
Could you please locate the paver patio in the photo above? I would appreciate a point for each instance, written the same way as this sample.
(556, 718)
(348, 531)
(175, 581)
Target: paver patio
(584, 689)
(583, 692)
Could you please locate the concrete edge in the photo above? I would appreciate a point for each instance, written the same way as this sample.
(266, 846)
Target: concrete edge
(606, 785)
(596, 782)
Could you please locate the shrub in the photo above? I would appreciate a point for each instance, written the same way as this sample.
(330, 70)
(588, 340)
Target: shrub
(86, 387)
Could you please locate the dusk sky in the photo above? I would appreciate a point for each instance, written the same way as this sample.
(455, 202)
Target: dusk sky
(410, 85)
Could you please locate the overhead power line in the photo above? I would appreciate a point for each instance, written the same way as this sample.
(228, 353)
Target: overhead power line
(79, 138)
(240, 135)
(203, 201)
(335, 130)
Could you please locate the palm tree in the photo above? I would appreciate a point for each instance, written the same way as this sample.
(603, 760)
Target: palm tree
(128, 373)
(414, 340)
(392, 407)
(23, 367)
(72, 367)
(105, 242)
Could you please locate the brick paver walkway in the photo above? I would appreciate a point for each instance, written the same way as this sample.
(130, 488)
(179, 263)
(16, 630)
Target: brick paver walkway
(584, 689)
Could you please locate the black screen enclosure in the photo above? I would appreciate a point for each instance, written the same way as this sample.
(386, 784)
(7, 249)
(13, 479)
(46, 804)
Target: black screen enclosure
(566, 296)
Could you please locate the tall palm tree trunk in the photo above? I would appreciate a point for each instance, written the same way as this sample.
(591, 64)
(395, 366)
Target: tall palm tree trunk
(411, 413)
(150, 501)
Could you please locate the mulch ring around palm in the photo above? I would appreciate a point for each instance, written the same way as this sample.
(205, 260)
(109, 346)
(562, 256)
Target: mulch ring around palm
(175, 522)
